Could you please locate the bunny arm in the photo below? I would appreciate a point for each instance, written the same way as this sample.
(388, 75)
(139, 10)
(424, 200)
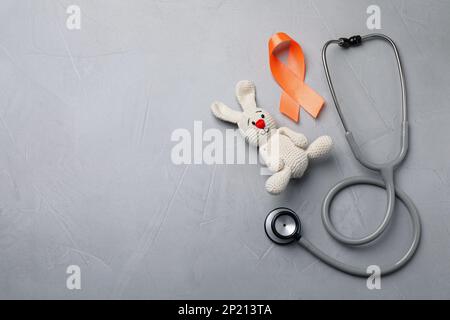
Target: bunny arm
(275, 164)
(319, 147)
(297, 138)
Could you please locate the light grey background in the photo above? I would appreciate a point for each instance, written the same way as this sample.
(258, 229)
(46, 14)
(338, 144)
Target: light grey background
(86, 176)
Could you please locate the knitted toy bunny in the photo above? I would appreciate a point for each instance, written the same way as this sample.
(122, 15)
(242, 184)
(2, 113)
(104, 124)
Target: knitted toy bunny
(284, 151)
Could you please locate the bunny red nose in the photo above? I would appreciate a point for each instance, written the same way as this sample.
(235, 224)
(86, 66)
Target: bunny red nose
(260, 124)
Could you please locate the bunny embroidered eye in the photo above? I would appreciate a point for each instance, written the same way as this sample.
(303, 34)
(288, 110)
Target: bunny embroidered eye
(262, 116)
(253, 123)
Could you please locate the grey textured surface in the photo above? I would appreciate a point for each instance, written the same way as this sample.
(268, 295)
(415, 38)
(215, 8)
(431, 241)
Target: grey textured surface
(86, 177)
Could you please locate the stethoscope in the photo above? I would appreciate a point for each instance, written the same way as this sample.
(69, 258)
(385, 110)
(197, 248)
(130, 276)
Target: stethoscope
(283, 226)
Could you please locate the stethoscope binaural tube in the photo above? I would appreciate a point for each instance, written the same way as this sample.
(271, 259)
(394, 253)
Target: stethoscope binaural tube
(387, 174)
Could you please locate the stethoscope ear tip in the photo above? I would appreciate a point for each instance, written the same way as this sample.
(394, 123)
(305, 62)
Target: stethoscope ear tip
(282, 226)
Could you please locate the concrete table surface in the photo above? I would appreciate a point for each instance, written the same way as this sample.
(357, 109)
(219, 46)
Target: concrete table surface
(86, 118)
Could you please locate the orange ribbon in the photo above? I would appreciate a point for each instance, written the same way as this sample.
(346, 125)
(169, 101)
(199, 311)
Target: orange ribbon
(291, 78)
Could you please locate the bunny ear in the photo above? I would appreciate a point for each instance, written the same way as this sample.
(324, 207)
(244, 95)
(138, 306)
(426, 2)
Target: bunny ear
(245, 93)
(224, 113)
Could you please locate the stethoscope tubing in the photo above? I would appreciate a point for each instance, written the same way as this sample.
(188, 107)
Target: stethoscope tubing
(404, 120)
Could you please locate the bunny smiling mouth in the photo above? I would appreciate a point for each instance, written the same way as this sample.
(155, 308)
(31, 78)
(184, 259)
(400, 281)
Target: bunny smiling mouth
(264, 131)
(261, 135)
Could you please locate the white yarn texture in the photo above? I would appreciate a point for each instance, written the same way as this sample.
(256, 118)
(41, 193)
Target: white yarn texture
(285, 151)
(293, 158)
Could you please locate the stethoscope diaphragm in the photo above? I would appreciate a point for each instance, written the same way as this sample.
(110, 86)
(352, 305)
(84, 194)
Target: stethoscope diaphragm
(282, 226)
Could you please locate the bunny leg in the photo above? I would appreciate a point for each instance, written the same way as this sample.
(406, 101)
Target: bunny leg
(278, 181)
(296, 137)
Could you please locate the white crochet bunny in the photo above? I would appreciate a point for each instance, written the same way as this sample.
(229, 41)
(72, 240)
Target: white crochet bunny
(284, 151)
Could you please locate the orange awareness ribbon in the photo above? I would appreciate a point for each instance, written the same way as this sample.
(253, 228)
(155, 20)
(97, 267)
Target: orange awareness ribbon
(291, 78)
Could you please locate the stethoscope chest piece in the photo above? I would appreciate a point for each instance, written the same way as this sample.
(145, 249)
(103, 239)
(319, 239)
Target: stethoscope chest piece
(282, 226)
